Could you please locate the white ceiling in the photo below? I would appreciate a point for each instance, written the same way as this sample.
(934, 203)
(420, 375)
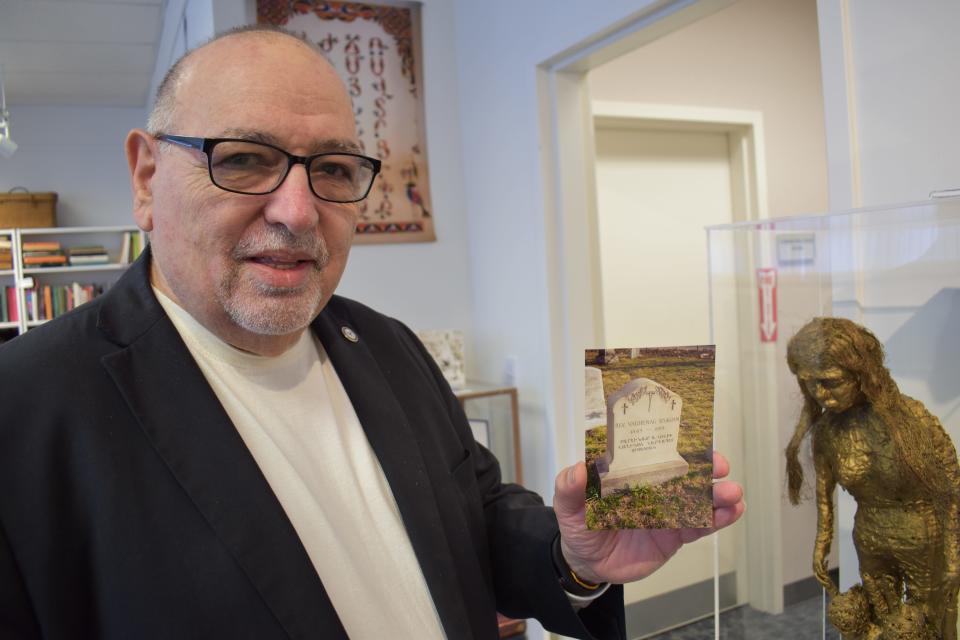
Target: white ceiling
(79, 52)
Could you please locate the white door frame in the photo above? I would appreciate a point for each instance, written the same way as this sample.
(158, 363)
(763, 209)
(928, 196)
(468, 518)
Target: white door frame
(567, 168)
(744, 129)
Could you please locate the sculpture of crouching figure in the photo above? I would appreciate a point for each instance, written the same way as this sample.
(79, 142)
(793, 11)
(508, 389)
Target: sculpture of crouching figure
(897, 461)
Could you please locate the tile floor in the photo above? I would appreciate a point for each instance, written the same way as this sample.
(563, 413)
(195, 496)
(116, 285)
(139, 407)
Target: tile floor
(800, 621)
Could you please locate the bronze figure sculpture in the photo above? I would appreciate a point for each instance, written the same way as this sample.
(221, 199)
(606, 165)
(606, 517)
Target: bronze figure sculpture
(896, 460)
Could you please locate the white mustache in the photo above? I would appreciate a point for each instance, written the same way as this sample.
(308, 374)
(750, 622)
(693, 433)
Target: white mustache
(280, 239)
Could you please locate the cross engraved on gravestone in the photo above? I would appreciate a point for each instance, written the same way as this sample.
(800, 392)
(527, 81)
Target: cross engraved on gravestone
(595, 409)
(643, 426)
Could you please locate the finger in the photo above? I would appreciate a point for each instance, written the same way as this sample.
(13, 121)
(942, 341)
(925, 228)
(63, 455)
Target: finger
(721, 467)
(727, 493)
(725, 516)
(569, 497)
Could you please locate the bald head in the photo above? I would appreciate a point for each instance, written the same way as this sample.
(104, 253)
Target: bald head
(162, 115)
(254, 269)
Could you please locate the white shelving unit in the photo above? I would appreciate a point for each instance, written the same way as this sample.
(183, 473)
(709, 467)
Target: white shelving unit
(7, 279)
(23, 278)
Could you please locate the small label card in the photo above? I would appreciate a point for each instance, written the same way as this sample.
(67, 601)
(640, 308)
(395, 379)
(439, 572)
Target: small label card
(649, 437)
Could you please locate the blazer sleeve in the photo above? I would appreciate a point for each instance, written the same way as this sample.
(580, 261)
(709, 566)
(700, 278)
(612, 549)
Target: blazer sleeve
(520, 531)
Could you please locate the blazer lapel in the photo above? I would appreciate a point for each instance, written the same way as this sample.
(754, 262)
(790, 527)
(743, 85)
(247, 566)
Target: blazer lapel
(393, 441)
(190, 430)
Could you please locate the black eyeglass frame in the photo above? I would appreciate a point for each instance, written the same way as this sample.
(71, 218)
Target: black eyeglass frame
(206, 145)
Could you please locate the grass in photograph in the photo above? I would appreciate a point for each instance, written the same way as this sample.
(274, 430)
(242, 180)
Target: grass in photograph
(681, 502)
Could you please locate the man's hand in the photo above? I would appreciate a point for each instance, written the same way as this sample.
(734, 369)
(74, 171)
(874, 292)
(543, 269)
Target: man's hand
(630, 554)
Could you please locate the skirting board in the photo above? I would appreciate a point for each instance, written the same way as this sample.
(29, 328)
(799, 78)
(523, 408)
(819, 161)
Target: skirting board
(678, 607)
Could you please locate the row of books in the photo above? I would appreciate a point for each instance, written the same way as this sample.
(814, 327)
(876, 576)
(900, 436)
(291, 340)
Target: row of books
(46, 302)
(50, 253)
(130, 247)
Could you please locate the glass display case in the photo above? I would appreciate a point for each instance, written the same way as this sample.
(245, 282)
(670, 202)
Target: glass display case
(894, 270)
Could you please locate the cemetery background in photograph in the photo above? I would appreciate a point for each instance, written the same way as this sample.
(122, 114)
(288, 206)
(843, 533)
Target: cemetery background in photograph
(685, 501)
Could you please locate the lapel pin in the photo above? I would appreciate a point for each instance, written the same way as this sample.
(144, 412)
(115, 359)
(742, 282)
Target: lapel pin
(349, 334)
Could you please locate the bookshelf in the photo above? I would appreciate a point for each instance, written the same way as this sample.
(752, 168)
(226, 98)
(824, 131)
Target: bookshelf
(40, 293)
(7, 279)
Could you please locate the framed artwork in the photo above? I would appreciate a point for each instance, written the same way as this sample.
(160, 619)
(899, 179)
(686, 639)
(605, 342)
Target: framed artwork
(376, 50)
(481, 431)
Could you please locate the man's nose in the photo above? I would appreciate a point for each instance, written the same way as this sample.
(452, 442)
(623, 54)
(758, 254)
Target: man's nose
(293, 204)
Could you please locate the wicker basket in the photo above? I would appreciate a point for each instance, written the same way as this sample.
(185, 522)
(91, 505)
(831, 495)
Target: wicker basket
(28, 210)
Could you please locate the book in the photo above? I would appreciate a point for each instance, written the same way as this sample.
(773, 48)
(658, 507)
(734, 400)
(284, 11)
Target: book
(87, 250)
(41, 261)
(125, 248)
(32, 309)
(41, 246)
(47, 303)
(135, 247)
(648, 431)
(89, 259)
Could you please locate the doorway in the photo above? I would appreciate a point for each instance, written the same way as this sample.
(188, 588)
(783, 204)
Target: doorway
(759, 55)
(662, 174)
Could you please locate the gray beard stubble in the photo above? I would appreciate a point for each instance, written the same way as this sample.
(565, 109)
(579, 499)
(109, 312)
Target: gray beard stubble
(277, 311)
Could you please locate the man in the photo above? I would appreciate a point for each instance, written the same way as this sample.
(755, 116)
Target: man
(186, 459)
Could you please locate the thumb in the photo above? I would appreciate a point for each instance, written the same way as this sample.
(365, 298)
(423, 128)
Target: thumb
(569, 497)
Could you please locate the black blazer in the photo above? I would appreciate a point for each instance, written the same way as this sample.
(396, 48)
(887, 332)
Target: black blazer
(131, 508)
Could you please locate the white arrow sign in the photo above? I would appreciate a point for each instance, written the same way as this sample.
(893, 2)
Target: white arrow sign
(767, 288)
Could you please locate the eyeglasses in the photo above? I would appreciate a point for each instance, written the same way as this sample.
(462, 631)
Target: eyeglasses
(257, 168)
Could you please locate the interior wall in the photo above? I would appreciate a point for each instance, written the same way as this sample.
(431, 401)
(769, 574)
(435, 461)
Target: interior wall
(78, 153)
(499, 46)
(904, 71)
(427, 285)
(760, 55)
(650, 231)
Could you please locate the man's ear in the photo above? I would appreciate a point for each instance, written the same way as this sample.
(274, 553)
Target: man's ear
(141, 150)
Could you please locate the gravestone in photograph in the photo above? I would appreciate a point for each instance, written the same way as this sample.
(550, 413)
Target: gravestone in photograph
(595, 409)
(643, 426)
